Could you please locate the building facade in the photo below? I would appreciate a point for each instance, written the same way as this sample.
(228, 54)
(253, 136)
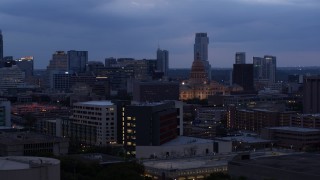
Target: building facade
(95, 122)
(242, 75)
(240, 58)
(77, 61)
(311, 94)
(163, 61)
(5, 113)
(59, 61)
(155, 91)
(149, 124)
(201, 51)
(265, 69)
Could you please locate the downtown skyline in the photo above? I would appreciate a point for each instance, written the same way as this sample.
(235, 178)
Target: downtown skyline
(287, 29)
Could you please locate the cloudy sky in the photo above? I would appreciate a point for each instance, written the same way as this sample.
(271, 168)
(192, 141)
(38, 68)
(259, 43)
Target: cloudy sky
(288, 29)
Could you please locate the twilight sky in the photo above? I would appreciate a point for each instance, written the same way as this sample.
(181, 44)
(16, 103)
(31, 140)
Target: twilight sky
(288, 29)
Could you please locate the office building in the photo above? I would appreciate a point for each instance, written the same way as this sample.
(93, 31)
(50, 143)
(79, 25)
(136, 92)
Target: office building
(11, 77)
(155, 91)
(242, 75)
(265, 69)
(5, 113)
(305, 120)
(201, 51)
(59, 80)
(95, 122)
(109, 62)
(148, 124)
(293, 137)
(77, 61)
(311, 94)
(163, 61)
(240, 58)
(30, 143)
(59, 61)
(25, 64)
(29, 167)
(1, 46)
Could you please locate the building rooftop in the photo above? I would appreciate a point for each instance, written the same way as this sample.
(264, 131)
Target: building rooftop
(188, 163)
(12, 138)
(96, 103)
(296, 129)
(245, 139)
(25, 162)
(182, 140)
(307, 163)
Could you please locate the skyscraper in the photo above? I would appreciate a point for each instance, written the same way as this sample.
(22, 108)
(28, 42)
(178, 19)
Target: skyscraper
(1, 45)
(163, 61)
(311, 95)
(59, 61)
(240, 58)
(26, 65)
(201, 50)
(265, 69)
(242, 75)
(77, 61)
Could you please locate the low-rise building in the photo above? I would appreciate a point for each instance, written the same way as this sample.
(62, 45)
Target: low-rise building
(183, 146)
(29, 143)
(27, 167)
(293, 137)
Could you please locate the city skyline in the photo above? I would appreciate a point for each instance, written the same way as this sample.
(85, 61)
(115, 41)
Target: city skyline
(286, 29)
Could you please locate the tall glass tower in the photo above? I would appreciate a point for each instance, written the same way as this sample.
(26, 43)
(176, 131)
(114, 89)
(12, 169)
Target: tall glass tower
(201, 51)
(77, 61)
(163, 61)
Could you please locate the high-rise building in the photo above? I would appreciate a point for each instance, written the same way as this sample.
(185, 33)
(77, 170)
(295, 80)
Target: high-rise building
(240, 58)
(11, 77)
(59, 61)
(108, 62)
(26, 65)
(1, 45)
(242, 75)
(311, 94)
(148, 124)
(163, 61)
(201, 50)
(95, 122)
(77, 61)
(265, 69)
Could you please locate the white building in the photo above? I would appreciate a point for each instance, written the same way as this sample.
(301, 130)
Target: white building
(95, 122)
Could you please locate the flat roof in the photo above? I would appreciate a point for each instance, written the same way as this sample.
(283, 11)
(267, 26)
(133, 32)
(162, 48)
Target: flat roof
(183, 140)
(24, 162)
(307, 163)
(245, 139)
(297, 129)
(188, 163)
(19, 138)
(97, 103)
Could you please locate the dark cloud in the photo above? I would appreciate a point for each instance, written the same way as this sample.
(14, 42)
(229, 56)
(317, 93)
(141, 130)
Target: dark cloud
(133, 28)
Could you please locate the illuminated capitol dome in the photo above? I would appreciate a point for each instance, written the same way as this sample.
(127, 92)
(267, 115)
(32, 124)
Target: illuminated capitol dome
(198, 85)
(198, 73)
